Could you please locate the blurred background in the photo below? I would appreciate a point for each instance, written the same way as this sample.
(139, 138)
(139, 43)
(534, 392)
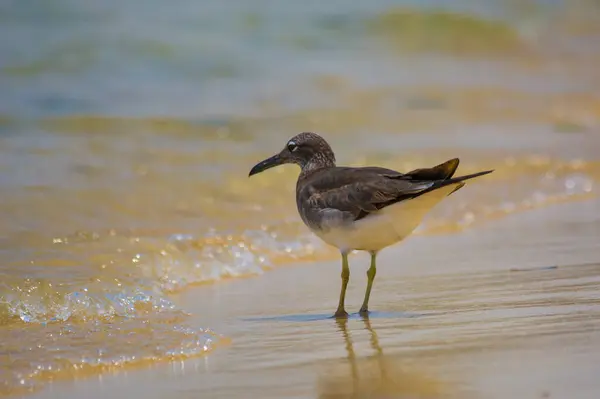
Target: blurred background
(127, 130)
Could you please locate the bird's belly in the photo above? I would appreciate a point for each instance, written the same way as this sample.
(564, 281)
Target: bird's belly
(385, 227)
(372, 236)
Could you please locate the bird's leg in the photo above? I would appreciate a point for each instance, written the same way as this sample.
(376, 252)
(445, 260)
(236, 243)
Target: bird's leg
(370, 276)
(341, 312)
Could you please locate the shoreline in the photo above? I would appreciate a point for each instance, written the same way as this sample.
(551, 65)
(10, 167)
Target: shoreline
(282, 338)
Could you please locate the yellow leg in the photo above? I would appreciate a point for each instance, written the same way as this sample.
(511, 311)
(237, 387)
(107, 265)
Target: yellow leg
(370, 276)
(341, 312)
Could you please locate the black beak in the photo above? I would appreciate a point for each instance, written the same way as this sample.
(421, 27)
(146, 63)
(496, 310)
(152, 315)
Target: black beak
(266, 164)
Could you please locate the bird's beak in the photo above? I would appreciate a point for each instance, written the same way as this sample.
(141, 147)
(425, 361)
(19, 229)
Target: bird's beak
(268, 163)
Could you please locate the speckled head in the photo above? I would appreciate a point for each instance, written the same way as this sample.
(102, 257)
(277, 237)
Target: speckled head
(308, 150)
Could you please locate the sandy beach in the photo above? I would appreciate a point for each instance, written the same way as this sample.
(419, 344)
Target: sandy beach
(507, 310)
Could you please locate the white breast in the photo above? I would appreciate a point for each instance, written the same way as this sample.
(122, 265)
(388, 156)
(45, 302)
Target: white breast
(386, 227)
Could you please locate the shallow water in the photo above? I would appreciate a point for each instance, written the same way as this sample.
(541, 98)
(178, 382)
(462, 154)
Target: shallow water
(127, 132)
(461, 321)
(445, 323)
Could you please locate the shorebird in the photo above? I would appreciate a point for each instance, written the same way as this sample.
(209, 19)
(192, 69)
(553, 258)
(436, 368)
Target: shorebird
(361, 208)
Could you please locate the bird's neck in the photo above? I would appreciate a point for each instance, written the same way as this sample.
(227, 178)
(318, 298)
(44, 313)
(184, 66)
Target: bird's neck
(316, 163)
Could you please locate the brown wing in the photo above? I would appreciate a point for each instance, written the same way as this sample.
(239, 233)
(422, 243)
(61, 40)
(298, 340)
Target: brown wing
(352, 193)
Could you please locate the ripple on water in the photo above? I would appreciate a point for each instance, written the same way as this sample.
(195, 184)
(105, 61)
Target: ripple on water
(112, 309)
(65, 350)
(187, 259)
(73, 329)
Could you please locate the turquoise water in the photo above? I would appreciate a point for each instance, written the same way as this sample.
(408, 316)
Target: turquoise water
(200, 59)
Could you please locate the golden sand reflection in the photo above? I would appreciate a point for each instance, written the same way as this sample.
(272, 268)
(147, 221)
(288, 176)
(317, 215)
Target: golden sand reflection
(378, 375)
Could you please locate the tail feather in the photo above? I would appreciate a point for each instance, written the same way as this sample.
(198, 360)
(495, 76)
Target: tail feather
(459, 181)
(442, 171)
(467, 177)
(458, 187)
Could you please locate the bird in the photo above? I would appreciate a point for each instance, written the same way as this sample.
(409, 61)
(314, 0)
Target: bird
(366, 208)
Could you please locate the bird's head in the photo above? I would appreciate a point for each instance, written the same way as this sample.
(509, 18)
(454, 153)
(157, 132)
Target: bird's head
(307, 150)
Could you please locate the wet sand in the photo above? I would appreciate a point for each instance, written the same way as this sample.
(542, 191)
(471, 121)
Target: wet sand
(509, 309)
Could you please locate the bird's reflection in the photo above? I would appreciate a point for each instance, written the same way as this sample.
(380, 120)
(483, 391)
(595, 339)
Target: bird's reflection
(342, 324)
(374, 376)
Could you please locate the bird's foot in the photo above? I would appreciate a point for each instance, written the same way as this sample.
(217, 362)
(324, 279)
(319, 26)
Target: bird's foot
(341, 314)
(363, 312)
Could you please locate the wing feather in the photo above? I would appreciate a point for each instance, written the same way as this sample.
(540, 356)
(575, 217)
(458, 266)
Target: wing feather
(345, 194)
(351, 193)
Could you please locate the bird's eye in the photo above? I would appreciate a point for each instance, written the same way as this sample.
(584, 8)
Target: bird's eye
(292, 146)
